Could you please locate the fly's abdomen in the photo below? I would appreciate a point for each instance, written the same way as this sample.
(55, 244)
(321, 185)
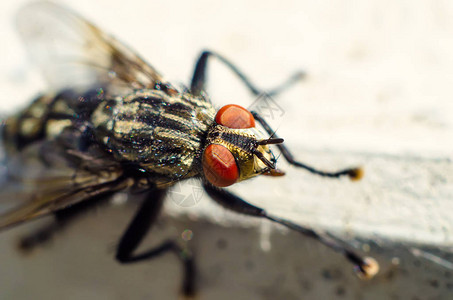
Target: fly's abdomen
(161, 134)
(47, 117)
(27, 126)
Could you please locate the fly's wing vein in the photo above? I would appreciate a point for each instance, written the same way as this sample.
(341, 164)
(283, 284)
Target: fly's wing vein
(72, 52)
(46, 177)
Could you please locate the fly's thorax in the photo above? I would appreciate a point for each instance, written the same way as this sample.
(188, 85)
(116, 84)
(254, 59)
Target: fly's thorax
(243, 146)
(160, 133)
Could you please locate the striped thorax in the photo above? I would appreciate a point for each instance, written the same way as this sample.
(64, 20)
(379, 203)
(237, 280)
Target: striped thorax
(159, 133)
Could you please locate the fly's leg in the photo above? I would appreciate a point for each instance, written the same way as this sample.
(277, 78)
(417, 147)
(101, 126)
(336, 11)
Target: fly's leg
(62, 219)
(353, 173)
(199, 76)
(134, 234)
(366, 267)
(198, 84)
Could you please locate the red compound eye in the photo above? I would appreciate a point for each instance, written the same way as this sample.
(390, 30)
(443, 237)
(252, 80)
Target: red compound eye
(219, 166)
(235, 117)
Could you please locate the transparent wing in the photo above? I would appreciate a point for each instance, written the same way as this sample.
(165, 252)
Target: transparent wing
(72, 52)
(48, 176)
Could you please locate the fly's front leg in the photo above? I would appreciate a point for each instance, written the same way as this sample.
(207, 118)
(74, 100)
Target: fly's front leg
(199, 76)
(134, 234)
(365, 267)
(353, 173)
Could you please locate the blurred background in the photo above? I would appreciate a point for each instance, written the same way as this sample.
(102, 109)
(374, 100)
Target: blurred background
(377, 94)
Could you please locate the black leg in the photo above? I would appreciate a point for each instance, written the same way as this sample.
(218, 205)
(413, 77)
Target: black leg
(62, 218)
(353, 173)
(134, 234)
(199, 76)
(365, 267)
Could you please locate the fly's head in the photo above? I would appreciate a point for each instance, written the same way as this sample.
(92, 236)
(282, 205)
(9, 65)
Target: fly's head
(236, 150)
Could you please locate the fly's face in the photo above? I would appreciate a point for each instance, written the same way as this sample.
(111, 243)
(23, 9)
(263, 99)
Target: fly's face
(235, 149)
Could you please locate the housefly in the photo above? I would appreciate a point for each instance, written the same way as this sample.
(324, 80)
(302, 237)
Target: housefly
(111, 123)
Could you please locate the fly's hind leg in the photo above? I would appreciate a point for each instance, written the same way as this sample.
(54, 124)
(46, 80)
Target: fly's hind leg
(62, 219)
(136, 231)
(198, 83)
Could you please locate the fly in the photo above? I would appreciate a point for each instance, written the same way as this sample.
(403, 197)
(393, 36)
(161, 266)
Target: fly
(113, 123)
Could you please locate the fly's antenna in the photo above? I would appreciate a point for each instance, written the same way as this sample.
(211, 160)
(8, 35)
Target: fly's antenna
(274, 133)
(263, 159)
(270, 141)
